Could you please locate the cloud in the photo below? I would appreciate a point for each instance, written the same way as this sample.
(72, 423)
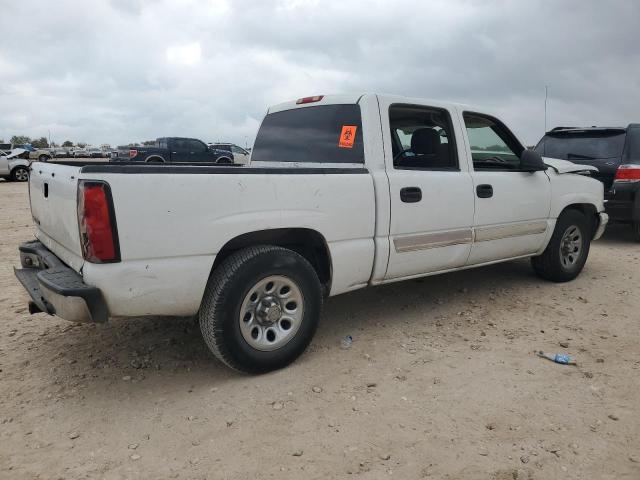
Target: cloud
(118, 72)
(189, 54)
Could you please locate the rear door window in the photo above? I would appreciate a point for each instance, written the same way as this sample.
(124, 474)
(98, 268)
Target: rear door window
(320, 134)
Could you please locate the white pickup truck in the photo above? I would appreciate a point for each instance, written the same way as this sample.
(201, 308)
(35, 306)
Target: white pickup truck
(343, 192)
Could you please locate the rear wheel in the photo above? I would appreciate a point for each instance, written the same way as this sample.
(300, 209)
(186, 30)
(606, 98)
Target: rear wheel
(224, 160)
(20, 174)
(43, 158)
(568, 249)
(261, 308)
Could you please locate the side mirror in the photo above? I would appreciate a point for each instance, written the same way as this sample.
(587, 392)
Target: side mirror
(531, 161)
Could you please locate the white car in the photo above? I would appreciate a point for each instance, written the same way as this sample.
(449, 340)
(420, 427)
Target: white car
(343, 192)
(14, 168)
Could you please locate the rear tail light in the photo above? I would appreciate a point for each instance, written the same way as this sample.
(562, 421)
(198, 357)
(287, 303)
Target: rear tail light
(628, 173)
(97, 223)
(314, 99)
(133, 152)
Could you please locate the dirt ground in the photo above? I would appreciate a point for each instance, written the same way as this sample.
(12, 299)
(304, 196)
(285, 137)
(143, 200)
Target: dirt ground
(440, 382)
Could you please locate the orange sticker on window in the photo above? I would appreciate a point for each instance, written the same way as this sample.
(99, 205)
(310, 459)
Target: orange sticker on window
(347, 136)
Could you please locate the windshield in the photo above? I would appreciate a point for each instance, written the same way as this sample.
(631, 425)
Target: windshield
(582, 145)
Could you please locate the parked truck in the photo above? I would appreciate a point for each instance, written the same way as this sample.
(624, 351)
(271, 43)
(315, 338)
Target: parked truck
(173, 150)
(343, 192)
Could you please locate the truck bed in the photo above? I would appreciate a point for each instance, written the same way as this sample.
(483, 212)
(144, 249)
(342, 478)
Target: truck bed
(172, 220)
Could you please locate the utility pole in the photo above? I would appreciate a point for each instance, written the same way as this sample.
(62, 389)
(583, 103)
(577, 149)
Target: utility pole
(49, 131)
(546, 96)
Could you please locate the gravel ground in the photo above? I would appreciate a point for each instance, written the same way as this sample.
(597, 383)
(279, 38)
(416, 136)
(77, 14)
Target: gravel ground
(440, 382)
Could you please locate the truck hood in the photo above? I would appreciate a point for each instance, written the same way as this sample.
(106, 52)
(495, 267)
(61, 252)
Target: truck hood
(565, 166)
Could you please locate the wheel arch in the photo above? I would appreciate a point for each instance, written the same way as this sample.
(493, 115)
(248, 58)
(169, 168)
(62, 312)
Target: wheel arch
(224, 159)
(589, 210)
(154, 158)
(309, 243)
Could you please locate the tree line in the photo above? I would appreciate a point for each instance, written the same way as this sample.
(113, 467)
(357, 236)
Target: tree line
(41, 142)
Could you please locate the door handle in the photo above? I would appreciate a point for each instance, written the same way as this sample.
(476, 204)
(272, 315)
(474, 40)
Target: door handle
(484, 191)
(410, 194)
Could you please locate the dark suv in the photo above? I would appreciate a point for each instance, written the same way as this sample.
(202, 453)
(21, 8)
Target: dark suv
(616, 154)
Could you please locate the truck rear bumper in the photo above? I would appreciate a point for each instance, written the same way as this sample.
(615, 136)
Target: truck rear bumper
(57, 289)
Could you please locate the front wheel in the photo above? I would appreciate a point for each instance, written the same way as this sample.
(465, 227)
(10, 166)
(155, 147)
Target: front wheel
(20, 174)
(568, 249)
(261, 308)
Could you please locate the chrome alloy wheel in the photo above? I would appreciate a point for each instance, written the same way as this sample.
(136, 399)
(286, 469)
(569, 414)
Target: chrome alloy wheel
(570, 246)
(271, 313)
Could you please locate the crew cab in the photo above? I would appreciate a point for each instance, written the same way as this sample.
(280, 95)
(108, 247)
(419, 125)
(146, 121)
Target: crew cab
(615, 152)
(173, 150)
(343, 192)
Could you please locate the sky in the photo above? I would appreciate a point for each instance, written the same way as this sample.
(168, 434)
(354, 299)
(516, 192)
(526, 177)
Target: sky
(124, 71)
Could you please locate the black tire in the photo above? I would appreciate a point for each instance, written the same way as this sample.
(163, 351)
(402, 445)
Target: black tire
(230, 284)
(20, 174)
(224, 161)
(550, 265)
(43, 158)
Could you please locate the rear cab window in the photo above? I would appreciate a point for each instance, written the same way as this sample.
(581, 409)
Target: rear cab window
(315, 134)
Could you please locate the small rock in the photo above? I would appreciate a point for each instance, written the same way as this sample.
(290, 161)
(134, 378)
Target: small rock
(524, 459)
(599, 360)
(213, 389)
(588, 375)
(73, 435)
(132, 446)
(277, 405)
(564, 344)
(385, 456)
(135, 364)
(634, 459)
(297, 453)
(614, 417)
(126, 378)
(436, 380)
(229, 423)
(490, 426)
(135, 457)
(317, 389)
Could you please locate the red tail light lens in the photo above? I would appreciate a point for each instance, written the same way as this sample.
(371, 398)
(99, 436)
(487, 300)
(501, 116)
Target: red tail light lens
(314, 99)
(628, 173)
(96, 219)
(133, 153)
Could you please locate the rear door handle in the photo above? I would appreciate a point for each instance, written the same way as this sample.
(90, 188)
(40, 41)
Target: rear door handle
(410, 194)
(484, 191)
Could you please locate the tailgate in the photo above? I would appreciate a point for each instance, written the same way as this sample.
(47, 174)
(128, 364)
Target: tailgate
(53, 196)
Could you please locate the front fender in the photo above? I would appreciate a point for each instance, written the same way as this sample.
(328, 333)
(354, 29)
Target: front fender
(570, 189)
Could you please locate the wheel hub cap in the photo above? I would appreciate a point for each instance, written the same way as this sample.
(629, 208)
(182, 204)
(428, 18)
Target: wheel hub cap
(268, 311)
